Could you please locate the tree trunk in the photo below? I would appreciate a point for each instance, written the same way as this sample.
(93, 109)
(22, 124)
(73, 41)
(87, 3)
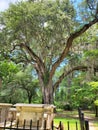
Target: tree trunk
(47, 94)
(29, 97)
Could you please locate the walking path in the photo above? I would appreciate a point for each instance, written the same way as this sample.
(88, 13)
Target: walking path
(92, 127)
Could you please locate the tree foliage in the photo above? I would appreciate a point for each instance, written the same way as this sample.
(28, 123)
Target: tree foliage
(45, 34)
(25, 81)
(18, 84)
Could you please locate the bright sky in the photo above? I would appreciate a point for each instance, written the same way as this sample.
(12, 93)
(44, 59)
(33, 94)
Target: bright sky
(4, 4)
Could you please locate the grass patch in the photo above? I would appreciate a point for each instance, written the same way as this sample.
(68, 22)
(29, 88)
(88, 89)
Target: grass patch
(73, 123)
(72, 117)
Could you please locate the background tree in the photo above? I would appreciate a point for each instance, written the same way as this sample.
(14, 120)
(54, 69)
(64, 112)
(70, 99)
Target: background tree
(25, 81)
(94, 88)
(18, 85)
(43, 34)
(9, 93)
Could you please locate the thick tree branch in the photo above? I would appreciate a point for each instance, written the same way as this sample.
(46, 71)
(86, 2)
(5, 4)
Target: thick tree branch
(40, 67)
(82, 68)
(31, 53)
(69, 44)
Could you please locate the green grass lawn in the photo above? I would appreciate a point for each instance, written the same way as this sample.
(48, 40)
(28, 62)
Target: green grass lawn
(72, 118)
(73, 123)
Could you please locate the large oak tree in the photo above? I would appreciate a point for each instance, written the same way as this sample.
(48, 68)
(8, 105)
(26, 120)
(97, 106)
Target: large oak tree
(43, 33)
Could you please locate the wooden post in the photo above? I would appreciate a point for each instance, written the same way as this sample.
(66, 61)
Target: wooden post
(60, 125)
(82, 121)
(45, 124)
(24, 124)
(17, 124)
(52, 125)
(38, 125)
(68, 125)
(86, 125)
(30, 124)
(81, 118)
(76, 125)
(96, 111)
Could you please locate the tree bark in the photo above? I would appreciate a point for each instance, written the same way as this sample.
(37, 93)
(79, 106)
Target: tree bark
(47, 94)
